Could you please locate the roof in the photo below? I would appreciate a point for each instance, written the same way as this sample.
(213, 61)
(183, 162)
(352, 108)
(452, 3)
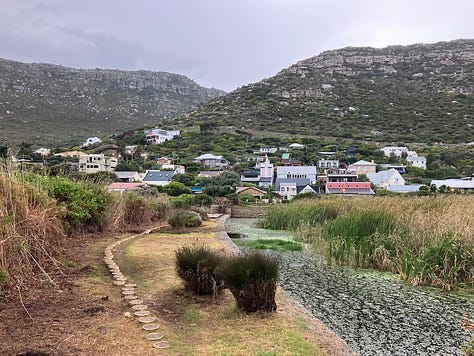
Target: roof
(292, 182)
(382, 176)
(158, 176)
(359, 188)
(243, 189)
(454, 183)
(404, 188)
(363, 163)
(314, 188)
(283, 170)
(415, 158)
(125, 174)
(209, 173)
(296, 145)
(124, 185)
(208, 156)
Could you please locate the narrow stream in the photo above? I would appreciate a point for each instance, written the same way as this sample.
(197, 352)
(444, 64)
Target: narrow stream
(375, 313)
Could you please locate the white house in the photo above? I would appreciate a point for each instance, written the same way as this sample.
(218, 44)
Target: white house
(43, 151)
(157, 136)
(92, 141)
(93, 163)
(384, 179)
(417, 161)
(455, 184)
(397, 151)
(298, 146)
(267, 149)
(297, 172)
(328, 164)
(211, 161)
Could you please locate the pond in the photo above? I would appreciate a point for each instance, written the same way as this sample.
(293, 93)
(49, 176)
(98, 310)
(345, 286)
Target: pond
(375, 313)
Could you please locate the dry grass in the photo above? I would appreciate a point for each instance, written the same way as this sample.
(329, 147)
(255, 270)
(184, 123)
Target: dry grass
(31, 229)
(197, 325)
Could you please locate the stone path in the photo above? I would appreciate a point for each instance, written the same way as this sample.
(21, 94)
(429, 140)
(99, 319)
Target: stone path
(139, 309)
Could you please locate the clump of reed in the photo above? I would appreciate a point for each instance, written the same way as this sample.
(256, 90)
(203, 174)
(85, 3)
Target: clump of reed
(196, 266)
(180, 219)
(427, 240)
(252, 278)
(31, 230)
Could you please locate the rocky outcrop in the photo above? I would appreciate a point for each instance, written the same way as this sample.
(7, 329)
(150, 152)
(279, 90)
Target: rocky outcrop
(61, 103)
(422, 92)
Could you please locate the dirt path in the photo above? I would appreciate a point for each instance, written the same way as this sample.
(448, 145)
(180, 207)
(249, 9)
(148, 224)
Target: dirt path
(87, 315)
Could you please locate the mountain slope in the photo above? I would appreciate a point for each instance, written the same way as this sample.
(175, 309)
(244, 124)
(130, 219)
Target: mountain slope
(417, 93)
(48, 104)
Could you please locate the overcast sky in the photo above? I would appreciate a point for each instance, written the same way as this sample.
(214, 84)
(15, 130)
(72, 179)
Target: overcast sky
(218, 43)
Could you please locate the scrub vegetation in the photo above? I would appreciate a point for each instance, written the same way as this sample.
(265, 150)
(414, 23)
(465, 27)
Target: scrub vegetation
(427, 240)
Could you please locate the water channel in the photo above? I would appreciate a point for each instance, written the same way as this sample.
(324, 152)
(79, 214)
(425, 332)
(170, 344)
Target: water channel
(375, 313)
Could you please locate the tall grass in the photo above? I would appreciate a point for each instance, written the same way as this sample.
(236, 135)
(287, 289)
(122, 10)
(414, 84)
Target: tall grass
(427, 240)
(31, 230)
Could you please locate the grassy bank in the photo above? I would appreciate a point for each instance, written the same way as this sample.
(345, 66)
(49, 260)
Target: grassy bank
(197, 325)
(427, 240)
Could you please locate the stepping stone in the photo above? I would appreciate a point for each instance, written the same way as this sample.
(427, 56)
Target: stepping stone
(121, 278)
(128, 292)
(154, 336)
(150, 327)
(130, 285)
(127, 288)
(139, 307)
(142, 313)
(146, 319)
(161, 345)
(136, 301)
(119, 283)
(131, 296)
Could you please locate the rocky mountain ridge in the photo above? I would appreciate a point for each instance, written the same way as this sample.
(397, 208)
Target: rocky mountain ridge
(416, 93)
(49, 103)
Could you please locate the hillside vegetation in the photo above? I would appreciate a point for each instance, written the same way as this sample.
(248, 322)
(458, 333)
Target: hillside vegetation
(417, 93)
(50, 104)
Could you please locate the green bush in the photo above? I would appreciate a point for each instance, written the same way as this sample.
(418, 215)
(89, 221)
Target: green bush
(202, 199)
(183, 218)
(252, 279)
(86, 203)
(183, 201)
(196, 266)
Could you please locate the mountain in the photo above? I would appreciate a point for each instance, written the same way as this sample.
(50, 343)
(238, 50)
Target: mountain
(49, 104)
(416, 93)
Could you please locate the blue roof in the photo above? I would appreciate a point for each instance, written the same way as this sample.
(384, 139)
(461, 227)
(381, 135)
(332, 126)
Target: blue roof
(158, 176)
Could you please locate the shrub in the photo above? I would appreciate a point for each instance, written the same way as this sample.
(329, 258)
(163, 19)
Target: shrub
(252, 279)
(137, 210)
(183, 201)
(183, 218)
(86, 204)
(196, 266)
(202, 199)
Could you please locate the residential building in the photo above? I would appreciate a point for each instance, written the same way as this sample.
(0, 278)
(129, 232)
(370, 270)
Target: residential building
(324, 164)
(71, 154)
(91, 141)
(384, 179)
(287, 188)
(253, 191)
(363, 167)
(157, 177)
(43, 151)
(297, 146)
(177, 168)
(336, 175)
(455, 184)
(268, 149)
(164, 160)
(211, 161)
(396, 151)
(157, 136)
(417, 161)
(350, 151)
(349, 188)
(96, 162)
(121, 187)
(297, 172)
(209, 174)
(261, 175)
(127, 176)
(404, 188)
(399, 167)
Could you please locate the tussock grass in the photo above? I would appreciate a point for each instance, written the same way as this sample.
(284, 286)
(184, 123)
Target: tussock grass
(427, 240)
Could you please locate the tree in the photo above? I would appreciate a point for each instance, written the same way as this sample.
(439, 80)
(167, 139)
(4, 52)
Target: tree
(175, 189)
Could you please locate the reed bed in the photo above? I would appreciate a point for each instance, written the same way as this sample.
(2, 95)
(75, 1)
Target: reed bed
(427, 240)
